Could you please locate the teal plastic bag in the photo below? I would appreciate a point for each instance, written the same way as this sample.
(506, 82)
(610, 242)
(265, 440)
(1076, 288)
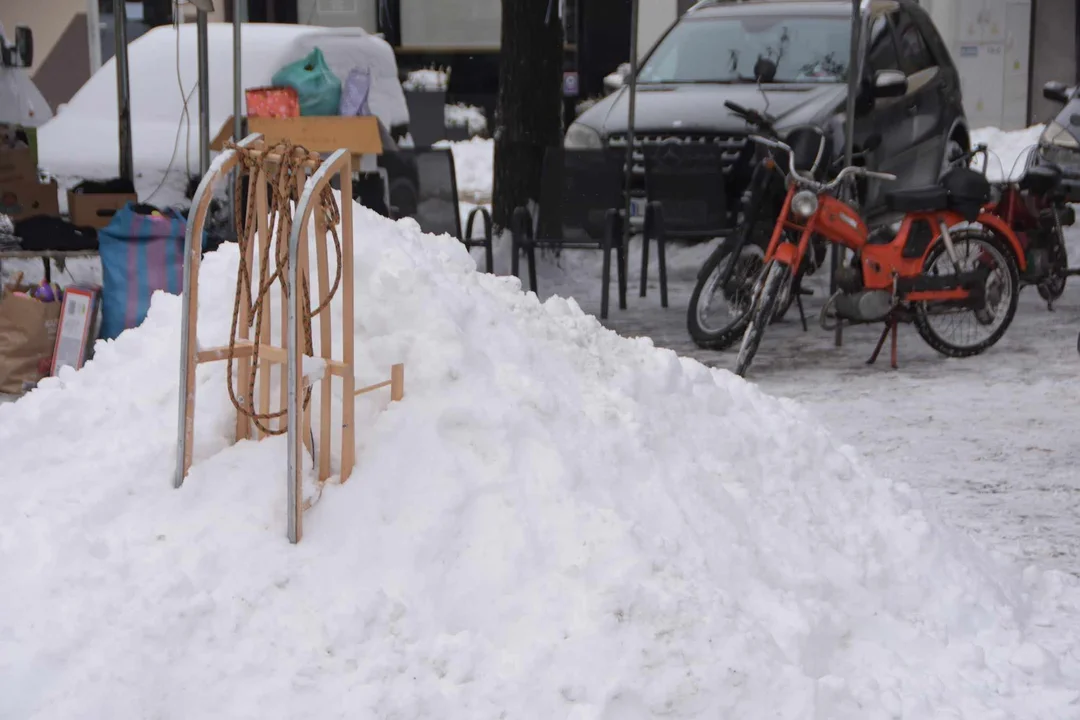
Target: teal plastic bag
(319, 90)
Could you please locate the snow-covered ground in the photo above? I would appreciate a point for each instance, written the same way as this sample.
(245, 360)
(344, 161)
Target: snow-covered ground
(556, 522)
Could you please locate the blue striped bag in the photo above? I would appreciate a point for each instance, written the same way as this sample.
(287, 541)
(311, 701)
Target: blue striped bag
(140, 253)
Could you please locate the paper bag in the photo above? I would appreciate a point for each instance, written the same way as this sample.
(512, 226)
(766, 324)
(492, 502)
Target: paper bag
(27, 336)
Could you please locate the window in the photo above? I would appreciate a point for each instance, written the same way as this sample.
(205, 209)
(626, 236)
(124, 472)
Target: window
(882, 53)
(725, 49)
(913, 48)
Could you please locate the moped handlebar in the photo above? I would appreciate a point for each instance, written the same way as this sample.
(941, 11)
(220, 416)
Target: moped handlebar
(755, 118)
(803, 179)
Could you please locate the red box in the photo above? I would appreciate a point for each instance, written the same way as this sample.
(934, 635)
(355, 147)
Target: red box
(272, 102)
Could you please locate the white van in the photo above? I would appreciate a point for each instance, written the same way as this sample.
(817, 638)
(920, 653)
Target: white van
(82, 140)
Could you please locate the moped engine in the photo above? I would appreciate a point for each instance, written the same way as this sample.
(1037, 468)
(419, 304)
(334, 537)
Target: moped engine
(1038, 262)
(849, 279)
(864, 306)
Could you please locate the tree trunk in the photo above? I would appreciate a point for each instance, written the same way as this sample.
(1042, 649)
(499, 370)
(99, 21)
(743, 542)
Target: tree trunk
(528, 115)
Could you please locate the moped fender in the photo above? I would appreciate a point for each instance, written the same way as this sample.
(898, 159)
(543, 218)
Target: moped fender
(787, 253)
(1002, 228)
(992, 222)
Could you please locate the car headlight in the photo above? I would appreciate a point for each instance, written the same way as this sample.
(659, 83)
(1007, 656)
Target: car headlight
(1058, 136)
(804, 204)
(580, 137)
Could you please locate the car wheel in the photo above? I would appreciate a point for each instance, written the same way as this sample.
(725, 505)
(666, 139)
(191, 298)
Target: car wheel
(954, 155)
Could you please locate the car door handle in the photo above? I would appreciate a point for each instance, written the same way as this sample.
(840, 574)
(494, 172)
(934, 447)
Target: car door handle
(913, 109)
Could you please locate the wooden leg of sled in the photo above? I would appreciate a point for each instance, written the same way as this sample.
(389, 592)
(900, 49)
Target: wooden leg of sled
(190, 333)
(245, 367)
(262, 226)
(296, 414)
(397, 382)
(325, 342)
(283, 392)
(348, 404)
(305, 303)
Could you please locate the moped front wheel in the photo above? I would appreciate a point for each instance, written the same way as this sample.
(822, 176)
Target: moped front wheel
(959, 331)
(778, 276)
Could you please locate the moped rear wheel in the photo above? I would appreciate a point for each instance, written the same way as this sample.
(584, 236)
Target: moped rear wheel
(778, 276)
(1052, 287)
(957, 331)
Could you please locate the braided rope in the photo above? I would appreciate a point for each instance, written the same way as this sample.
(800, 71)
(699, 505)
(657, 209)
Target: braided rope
(288, 183)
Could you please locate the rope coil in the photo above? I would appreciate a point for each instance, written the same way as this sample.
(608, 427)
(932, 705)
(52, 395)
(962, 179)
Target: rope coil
(292, 163)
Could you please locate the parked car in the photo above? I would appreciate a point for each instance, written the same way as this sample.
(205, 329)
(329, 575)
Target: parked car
(708, 57)
(1059, 144)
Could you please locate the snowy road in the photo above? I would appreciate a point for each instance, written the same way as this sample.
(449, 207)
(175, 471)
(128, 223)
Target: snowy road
(992, 441)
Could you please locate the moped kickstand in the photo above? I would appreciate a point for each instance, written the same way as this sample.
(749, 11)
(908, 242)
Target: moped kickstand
(890, 325)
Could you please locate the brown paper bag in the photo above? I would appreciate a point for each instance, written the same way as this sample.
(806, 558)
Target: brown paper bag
(27, 337)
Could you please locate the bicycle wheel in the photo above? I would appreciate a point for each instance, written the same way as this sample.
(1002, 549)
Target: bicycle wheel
(718, 328)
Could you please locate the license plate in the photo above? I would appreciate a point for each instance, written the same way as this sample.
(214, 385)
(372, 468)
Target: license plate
(637, 207)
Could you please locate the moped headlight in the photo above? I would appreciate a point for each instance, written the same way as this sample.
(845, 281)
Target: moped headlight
(804, 204)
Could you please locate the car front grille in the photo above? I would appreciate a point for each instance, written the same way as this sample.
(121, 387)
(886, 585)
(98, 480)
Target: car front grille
(731, 145)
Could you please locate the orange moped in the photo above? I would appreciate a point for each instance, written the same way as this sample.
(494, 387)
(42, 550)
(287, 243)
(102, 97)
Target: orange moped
(945, 261)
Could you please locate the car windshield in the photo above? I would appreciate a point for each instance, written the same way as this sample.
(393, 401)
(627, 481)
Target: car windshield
(718, 50)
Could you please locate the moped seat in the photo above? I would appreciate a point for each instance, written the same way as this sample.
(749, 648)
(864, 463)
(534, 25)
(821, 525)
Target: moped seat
(922, 199)
(1041, 179)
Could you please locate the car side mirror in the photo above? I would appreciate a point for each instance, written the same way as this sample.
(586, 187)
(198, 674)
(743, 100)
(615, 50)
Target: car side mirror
(1056, 92)
(617, 79)
(890, 84)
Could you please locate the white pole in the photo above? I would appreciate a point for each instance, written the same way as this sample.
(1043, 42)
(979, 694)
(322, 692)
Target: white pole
(93, 34)
(238, 84)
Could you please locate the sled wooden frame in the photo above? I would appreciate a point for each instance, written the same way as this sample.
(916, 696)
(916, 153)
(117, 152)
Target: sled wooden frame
(291, 357)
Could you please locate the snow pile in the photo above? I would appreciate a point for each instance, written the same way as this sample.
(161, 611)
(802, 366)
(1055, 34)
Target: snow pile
(1008, 150)
(474, 165)
(427, 80)
(555, 522)
(466, 116)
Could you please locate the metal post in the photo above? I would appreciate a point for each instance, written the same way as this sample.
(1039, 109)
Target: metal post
(849, 137)
(238, 83)
(634, 15)
(93, 34)
(123, 91)
(204, 91)
(238, 91)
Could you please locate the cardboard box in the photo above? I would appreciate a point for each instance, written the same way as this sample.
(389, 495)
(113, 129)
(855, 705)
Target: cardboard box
(359, 135)
(21, 200)
(96, 209)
